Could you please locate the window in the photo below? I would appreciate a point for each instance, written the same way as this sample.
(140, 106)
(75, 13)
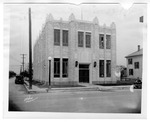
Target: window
(65, 68)
(130, 61)
(88, 39)
(65, 37)
(108, 42)
(108, 68)
(101, 68)
(101, 41)
(130, 71)
(136, 65)
(56, 37)
(56, 67)
(80, 39)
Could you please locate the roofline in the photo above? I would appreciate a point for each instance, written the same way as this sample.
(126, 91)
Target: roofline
(133, 55)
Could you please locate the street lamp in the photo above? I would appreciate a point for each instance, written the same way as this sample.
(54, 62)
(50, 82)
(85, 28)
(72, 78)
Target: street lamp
(49, 60)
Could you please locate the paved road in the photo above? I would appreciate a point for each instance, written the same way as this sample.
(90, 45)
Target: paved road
(86, 101)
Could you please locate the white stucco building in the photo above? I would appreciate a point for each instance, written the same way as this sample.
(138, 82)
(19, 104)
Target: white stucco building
(73, 51)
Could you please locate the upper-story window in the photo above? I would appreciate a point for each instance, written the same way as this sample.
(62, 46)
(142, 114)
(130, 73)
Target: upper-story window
(65, 37)
(108, 41)
(88, 39)
(136, 65)
(101, 41)
(56, 37)
(80, 39)
(130, 61)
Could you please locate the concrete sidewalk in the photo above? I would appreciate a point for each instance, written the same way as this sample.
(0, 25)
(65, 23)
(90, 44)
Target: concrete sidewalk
(86, 87)
(36, 89)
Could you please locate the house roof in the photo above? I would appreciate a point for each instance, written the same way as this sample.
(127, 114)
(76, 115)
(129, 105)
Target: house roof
(137, 53)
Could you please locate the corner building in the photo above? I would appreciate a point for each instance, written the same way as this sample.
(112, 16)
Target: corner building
(75, 51)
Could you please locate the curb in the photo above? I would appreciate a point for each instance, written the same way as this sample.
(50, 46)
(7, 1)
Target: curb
(79, 89)
(29, 90)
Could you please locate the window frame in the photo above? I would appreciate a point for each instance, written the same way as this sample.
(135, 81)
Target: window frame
(56, 37)
(108, 68)
(131, 72)
(101, 42)
(108, 41)
(130, 61)
(136, 65)
(65, 37)
(80, 42)
(64, 65)
(56, 67)
(88, 42)
(101, 68)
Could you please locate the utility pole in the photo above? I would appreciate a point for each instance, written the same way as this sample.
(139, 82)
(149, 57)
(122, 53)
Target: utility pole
(20, 69)
(23, 57)
(30, 51)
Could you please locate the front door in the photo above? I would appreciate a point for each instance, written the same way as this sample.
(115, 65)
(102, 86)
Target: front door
(84, 73)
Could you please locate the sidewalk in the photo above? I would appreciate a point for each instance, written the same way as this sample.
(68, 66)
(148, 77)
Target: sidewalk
(87, 87)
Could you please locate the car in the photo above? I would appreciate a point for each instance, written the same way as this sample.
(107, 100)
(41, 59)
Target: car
(19, 79)
(138, 84)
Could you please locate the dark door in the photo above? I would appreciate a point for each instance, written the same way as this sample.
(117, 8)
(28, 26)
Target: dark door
(84, 73)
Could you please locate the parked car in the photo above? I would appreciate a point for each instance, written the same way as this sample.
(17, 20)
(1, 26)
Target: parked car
(19, 79)
(138, 84)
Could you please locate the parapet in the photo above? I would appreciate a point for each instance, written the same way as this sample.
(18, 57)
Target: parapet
(72, 17)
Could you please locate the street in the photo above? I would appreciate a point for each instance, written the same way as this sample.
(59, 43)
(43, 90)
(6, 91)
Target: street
(122, 101)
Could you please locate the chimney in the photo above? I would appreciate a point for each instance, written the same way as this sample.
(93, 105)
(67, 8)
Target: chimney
(138, 47)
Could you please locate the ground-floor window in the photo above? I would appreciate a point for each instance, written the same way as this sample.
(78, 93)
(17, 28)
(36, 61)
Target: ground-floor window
(108, 68)
(130, 71)
(101, 68)
(65, 67)
(56, 67)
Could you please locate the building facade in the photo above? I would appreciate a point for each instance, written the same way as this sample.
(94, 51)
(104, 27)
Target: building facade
(134, 64)
(74, 51)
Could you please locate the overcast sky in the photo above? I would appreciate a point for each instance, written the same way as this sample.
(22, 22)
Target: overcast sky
(129, 29)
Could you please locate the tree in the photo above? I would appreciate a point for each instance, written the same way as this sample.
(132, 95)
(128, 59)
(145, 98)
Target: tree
(25, 73)
(12, 74)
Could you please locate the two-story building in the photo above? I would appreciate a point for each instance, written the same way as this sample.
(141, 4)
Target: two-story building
(75, 51)
(134, 64)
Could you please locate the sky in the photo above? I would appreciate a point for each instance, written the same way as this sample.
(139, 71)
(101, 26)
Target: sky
(129, 31)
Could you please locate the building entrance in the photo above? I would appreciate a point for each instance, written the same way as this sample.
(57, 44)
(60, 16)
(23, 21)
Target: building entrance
(84, 73)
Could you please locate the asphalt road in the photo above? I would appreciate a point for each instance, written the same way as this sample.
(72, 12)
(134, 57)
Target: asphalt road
(122, 101)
